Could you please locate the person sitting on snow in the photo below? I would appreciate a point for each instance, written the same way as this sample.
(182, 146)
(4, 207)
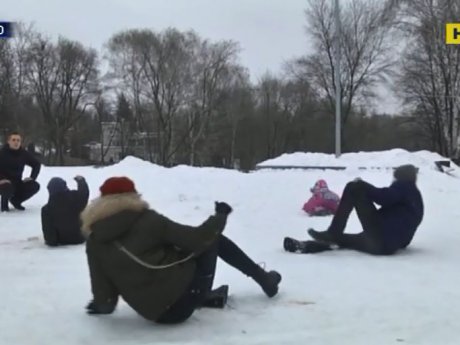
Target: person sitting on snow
(385, 230)
(61, 215)
(323, 202)
(162, 269)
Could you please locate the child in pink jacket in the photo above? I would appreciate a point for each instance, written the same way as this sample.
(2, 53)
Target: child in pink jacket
(323, 202)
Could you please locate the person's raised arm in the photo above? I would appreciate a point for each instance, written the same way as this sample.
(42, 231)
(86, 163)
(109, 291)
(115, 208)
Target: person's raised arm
(81, 195)
(196, 239)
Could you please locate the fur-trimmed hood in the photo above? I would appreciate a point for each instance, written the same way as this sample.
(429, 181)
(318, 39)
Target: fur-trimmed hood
(107, 206)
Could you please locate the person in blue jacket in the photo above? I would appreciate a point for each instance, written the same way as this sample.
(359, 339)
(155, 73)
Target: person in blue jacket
(61, 215)
(386, 229)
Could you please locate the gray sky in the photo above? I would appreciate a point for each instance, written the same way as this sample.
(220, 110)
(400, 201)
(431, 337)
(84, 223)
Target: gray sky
(269, 31)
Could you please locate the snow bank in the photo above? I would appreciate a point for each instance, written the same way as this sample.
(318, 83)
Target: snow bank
(381, 159)
(133, 163)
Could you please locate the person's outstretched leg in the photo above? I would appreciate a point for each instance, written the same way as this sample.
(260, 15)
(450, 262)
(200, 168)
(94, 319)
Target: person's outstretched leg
(6, 192)
(361, 242)
(234, 256)
(23, 192)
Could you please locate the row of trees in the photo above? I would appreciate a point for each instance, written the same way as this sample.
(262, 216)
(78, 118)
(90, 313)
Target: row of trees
(398, 43)
(197, 101)
(429, 79)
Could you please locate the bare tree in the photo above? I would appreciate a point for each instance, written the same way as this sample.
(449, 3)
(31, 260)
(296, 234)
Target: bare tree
(239, 103)
(366, 55)
(126, 59)
(63, 79)
(268, 97)
(14, 94)
(214, 71)
(126, 124)
(156, 69)
(430, 71)
(167, 72)
(103, 115)
(168, 75)
(6, 81)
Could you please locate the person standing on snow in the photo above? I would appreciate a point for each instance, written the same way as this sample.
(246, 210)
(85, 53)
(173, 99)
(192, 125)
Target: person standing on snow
(385, 230)
(162, 269)
(13, 159)
(323, 202)
(61, 215)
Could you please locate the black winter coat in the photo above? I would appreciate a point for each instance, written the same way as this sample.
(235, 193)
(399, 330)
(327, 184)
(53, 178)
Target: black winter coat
(12, 163)
(401, 213)
(61, 216)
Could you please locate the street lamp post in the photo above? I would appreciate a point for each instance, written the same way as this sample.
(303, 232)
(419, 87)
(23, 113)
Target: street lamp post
(338, 117)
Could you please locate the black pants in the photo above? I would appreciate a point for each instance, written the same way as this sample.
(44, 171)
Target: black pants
(18, 192)
(355, 196)
(201, 284)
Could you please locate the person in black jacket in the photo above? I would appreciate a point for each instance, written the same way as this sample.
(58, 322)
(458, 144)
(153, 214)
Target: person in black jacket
(13, 159)
(61, 215)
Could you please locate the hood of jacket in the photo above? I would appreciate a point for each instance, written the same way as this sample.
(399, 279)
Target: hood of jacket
(107, 218)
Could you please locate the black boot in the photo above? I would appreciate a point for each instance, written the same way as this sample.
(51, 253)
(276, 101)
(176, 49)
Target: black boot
(17, 206)
(292, 245)
(268, 281)
(216, 298)
(305, 247)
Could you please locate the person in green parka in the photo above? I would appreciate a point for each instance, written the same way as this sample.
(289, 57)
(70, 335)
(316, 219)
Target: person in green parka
(164, 270)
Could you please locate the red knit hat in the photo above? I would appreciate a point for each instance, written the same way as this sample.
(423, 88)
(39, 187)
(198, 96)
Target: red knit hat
(117, 185)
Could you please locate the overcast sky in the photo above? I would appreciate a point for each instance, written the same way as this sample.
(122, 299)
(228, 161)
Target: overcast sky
(269, 31)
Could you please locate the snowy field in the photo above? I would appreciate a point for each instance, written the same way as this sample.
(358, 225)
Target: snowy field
(339, 297)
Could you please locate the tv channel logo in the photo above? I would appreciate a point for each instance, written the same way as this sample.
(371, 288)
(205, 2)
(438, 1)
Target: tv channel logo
(452, 33)
(6, 29)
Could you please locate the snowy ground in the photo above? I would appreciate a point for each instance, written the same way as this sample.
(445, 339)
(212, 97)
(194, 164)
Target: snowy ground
(330, 298)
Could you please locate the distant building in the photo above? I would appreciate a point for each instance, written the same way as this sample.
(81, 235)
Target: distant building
(116, 143)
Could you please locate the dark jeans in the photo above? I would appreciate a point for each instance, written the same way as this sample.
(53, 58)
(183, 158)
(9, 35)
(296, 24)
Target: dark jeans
(6, 192)
(201, 284)
(18, 192)
(355, 196)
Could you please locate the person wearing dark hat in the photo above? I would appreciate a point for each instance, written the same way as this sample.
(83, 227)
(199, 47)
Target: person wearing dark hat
(385, 230)
(61, 215)
(13, 188)
(164, 270)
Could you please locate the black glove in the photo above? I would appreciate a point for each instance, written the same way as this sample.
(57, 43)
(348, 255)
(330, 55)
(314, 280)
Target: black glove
(223, 208)
(93, 309)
